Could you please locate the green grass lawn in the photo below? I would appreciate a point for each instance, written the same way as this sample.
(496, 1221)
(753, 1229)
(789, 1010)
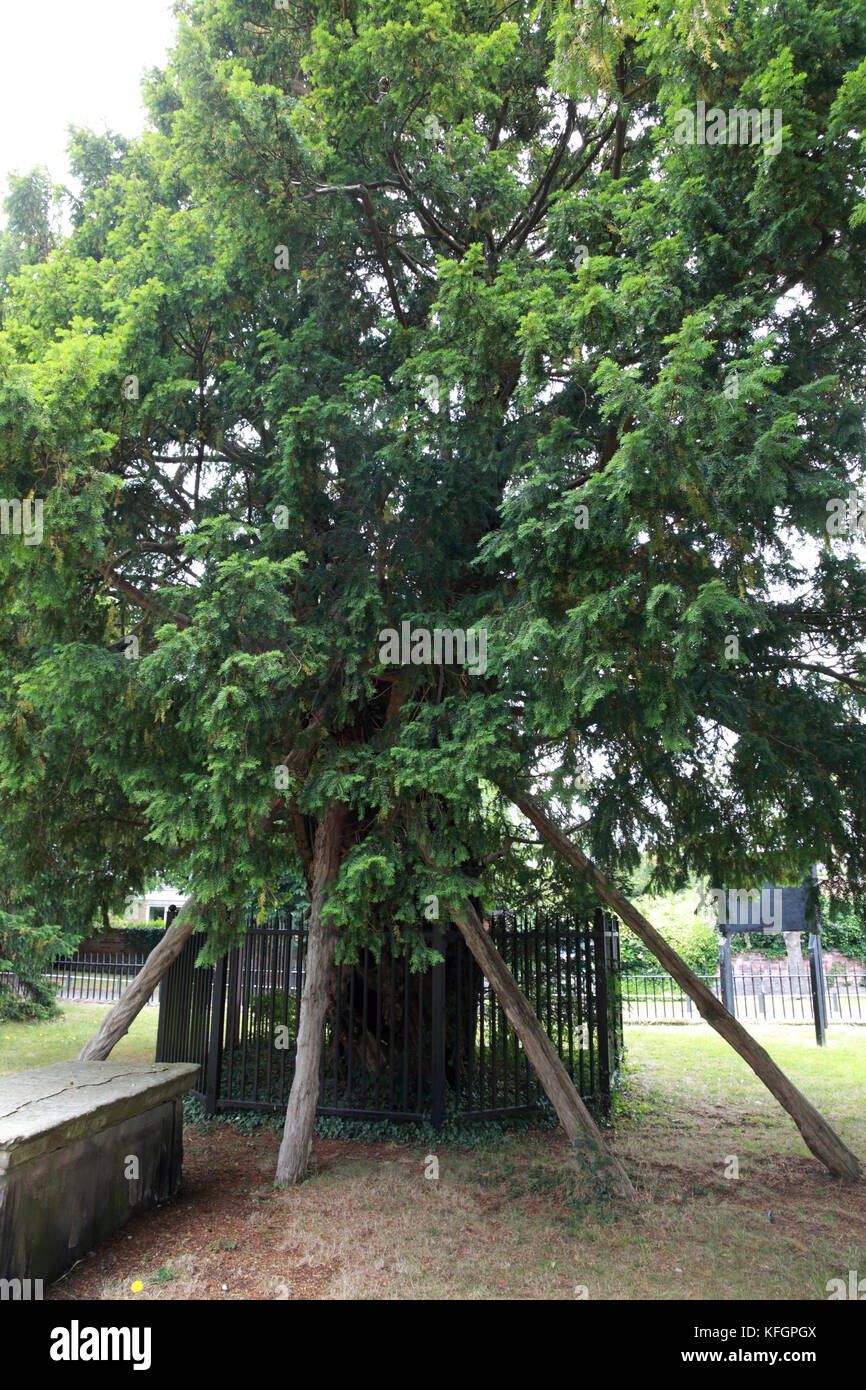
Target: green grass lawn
(24, 1045)
(694, 1067)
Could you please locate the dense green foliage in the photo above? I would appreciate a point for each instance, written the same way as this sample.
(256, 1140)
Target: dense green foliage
(390, 291)
(691, 934)
(45, 908)
(27, 945)
(844, 929)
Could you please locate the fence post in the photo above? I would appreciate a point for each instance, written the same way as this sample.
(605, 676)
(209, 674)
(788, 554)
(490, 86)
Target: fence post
(215, 1050)
(615, 964)
(602, 1008)
(437, 1040)
(726, 973)
(819, 999)
(162, 1015)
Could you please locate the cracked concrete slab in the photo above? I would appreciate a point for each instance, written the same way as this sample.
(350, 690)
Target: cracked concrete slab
(47, 1108)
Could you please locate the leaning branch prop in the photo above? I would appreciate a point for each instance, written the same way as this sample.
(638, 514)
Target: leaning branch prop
(540, 1051)
(821, 1139)
(117, 1021)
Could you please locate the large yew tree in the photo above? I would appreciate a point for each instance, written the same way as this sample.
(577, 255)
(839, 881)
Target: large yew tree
(419, 311)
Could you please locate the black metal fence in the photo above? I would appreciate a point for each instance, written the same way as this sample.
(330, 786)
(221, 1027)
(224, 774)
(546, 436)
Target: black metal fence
(89, 977)
(767, 997)
(398, 1044)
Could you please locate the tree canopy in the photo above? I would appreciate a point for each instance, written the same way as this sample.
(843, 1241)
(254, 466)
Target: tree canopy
(421, 312)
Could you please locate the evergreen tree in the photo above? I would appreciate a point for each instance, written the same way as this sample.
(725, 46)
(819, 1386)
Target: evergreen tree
(428, 312)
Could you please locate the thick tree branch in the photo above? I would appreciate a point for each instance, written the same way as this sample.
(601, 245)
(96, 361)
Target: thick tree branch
(543, 1056)
(376, 233)
(143, 600)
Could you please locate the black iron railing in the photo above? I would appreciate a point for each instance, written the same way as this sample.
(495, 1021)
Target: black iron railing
(398, 1044)
(91, 977)
(759, 997)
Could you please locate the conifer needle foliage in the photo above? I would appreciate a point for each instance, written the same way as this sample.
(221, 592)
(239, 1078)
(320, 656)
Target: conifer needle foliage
(420, 311)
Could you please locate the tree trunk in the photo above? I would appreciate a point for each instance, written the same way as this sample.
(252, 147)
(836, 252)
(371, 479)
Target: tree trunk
(821, 1139)
(117, 1021)
(366, 1034)
(321, 940)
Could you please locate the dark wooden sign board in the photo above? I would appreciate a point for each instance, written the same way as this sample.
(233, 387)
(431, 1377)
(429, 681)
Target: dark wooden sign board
(786, 905)
(790, 906)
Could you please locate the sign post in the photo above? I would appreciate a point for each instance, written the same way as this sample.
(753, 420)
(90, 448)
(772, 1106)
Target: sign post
(819, 998)
(726, 971)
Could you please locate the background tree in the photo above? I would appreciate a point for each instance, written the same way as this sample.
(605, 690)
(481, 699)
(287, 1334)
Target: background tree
(420, 312)
(31, 231)
(33, 930)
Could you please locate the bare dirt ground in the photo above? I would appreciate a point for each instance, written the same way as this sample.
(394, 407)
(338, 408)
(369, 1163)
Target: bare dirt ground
(517, 1222)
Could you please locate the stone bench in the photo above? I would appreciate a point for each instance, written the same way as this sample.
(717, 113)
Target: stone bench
(84, 1146)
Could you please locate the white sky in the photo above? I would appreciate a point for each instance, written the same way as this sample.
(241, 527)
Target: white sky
(78, 63)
